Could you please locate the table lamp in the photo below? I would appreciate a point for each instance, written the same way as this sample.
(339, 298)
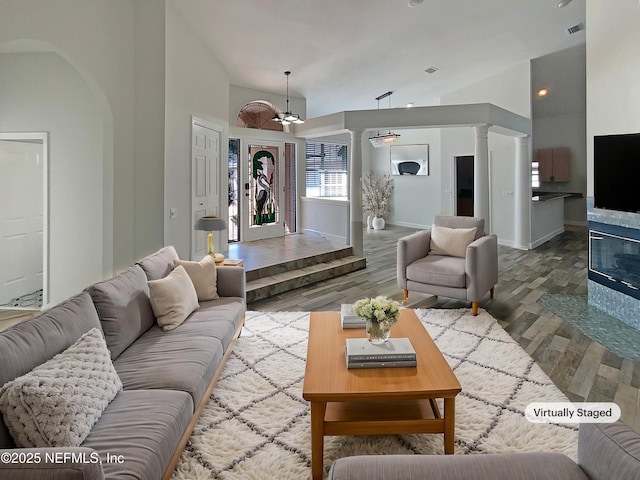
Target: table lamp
(212, 224)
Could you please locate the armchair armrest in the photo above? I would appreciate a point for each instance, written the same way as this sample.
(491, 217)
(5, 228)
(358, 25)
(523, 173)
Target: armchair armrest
(231, 282)
(64, 463)
(481, 266)
(411, 248)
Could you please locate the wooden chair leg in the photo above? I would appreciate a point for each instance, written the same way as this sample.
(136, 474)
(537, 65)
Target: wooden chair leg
(492, 289)
(405, 297)
(474, 308)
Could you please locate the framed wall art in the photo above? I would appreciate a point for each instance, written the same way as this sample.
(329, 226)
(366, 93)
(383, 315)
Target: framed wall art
(411, 160)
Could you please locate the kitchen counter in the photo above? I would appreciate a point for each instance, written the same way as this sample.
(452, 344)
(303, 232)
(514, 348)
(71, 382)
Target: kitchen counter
(541, 196)
(549, 196)
(547, 218)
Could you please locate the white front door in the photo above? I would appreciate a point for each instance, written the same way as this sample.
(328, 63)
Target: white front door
(205, 184)
(262, 191)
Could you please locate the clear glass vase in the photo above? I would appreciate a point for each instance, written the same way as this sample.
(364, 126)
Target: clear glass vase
(378, 333)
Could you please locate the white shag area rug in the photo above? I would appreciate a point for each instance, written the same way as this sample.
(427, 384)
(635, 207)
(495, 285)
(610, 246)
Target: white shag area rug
(256, 424)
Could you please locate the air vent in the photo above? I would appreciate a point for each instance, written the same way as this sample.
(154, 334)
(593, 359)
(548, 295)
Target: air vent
(575, 28)
(431, 70)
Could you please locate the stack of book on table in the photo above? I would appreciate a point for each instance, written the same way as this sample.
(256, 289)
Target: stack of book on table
(396, 352)
(348, 317)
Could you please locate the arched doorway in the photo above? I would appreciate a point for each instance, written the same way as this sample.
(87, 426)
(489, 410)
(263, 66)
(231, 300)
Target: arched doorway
(70, 106)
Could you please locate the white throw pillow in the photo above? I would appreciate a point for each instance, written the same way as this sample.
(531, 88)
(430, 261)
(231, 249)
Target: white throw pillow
(57, 403)
(173, 298)
(204, 276)
(452, 242)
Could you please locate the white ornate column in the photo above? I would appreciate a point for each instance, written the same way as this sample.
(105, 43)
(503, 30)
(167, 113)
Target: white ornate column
(355, 238)
(522, 234)
(481, 175)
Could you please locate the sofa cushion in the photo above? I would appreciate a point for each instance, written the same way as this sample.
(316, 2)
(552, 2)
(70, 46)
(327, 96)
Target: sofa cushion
(144, 427)
(451, 241)
(181, 359)
(609, 450)
(124, 309)
(43, 337)
(159, 264)
(203, 275)
(220, 318)
(498, 466)
(173, 298)
(438, 270)
(59, 401)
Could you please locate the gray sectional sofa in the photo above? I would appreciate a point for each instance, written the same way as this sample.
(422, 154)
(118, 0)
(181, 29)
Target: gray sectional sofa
(166, 376)
(607, 451)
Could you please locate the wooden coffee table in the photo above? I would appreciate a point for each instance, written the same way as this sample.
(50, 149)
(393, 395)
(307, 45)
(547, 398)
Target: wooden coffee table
(375, 401)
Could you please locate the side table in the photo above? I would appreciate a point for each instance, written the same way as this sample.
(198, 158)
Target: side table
(230, 262)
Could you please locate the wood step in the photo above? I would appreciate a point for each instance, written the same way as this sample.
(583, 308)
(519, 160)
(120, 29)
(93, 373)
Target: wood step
(298, 263)
(286, 278)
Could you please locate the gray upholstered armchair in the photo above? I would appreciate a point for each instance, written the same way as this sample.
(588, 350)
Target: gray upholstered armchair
(454, 259)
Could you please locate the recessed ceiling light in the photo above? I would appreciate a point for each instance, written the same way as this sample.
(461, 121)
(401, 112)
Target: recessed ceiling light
(414, 3)
(563, 3)
(410, 104)
(543, 92)
(431, 69)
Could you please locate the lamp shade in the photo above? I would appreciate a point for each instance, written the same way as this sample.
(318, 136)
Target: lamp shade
(210, 224)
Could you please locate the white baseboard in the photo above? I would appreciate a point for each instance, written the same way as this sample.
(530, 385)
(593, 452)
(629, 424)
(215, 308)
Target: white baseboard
(576, 223)
(410, 225)
(547, 237)
(332, 238)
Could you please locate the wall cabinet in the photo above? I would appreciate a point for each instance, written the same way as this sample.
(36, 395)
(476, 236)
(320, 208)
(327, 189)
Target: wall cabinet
(554, 164)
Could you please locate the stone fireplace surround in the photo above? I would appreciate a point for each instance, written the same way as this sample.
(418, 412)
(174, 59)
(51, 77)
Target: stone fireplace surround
(616, 298)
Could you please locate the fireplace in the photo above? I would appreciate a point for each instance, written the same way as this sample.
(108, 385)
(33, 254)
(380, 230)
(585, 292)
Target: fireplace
(614, 257)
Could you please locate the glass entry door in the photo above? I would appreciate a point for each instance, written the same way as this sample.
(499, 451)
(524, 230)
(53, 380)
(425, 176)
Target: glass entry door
(263, 190)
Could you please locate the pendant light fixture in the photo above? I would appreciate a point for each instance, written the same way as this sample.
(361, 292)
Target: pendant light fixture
(287, 117)
(380, 140)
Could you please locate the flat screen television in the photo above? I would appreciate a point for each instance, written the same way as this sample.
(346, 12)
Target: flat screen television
(616, 172)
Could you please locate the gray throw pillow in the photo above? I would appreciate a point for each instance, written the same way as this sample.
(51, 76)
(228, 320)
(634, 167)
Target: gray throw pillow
(57, 403)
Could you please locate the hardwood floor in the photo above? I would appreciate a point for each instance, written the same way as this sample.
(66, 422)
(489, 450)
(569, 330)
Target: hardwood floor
(584, 369)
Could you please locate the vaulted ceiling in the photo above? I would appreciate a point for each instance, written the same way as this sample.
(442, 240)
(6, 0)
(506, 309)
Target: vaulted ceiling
(344, 53)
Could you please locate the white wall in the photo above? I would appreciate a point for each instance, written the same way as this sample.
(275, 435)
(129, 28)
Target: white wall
(510, 90)
(325, 217)
(613, 96)
(415, 200)
(149, 97)
(198, 85)
(43, 92)
(118, 47)
(613, 72)
(559, 120)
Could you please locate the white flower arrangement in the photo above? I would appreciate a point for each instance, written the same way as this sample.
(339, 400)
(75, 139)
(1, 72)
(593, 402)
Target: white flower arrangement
(378, 310)
(376, 194)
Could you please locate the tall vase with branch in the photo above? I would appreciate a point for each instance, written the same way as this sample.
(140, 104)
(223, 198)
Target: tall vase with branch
(376, 196)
